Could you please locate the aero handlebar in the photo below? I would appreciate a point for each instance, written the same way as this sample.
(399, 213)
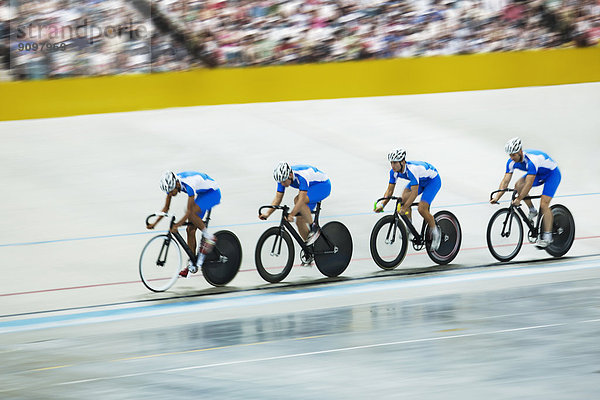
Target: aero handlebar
(284, 208)
(514, 195)
(395, 198)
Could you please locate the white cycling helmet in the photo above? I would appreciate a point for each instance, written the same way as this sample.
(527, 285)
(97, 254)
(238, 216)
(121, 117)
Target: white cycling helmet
(513, 146)
(397, 155)
(168, 182)
(282, 172)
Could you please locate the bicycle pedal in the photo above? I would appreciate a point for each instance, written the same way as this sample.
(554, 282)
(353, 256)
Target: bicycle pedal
(184, 273)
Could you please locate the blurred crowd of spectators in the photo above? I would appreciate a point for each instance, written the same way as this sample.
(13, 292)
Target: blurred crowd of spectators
(93, 37)
(248, 32)
(266, 32)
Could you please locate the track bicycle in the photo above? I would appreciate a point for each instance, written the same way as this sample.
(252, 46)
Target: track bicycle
(161, 260)
(389, 237)
(274, 254)
(505, 229)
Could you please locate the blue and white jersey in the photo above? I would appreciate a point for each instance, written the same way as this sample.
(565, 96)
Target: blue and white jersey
(194, 183)
(416, 172)
(534, 162)
(304, 176)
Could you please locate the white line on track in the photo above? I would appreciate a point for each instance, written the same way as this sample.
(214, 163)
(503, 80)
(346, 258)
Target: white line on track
(341, 349)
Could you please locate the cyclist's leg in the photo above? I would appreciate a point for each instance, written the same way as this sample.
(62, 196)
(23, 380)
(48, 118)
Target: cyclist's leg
(405, 194)
(304, 219)
(196, 223)
(519, 187)
(547, 213)
(317, 193)
(204, 202)
(550, 186)
(191, 239)
(191, 236)
(428, 193)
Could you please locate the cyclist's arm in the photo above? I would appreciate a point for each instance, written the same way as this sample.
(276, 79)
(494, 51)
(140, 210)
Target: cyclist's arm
(526, 188)
(503, 185)
(388, 193)
(165, 210)
(276, 201)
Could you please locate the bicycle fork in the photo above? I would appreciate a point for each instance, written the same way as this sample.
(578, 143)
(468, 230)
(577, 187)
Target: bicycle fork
(509, 215)
(392, 230)
(508, 220)
(277, 243)
(164, 251)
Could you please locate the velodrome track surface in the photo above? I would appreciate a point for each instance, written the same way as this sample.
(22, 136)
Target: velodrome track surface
(75, 319)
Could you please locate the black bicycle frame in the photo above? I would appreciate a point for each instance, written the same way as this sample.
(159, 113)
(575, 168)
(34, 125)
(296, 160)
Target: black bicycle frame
(162, 256)
(193, 257)
(533, 229)
(285, 224)
(417, 236)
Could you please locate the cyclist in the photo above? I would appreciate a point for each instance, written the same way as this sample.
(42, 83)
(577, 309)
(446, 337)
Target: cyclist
(423, 179)
(203, 194)
(541, 170)
(313, 185)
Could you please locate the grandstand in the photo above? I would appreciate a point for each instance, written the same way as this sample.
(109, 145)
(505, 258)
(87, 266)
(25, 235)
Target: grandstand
(175, 35)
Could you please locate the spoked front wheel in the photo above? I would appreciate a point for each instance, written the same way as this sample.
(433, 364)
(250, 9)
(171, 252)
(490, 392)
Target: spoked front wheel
(563, 231)
(274, 255)
(450, 240)
(333, 249)
(223, 262)
(388, 242)
(504, 235)
(160, 263)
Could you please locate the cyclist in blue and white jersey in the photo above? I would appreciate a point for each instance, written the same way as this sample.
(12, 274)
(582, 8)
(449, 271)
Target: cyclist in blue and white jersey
(203, 194)
(541, 170)
(313, 186)
(423, 179)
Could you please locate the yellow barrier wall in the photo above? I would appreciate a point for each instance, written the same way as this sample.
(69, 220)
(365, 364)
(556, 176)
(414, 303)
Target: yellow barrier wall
(75, 96)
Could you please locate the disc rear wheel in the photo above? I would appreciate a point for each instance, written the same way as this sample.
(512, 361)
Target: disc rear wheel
(451, 238)
(223, 262)
(563, 231)
(333, 249)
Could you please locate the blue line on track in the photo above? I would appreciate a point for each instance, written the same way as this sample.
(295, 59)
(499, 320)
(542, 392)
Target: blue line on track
(244, 224)
(262, 298)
